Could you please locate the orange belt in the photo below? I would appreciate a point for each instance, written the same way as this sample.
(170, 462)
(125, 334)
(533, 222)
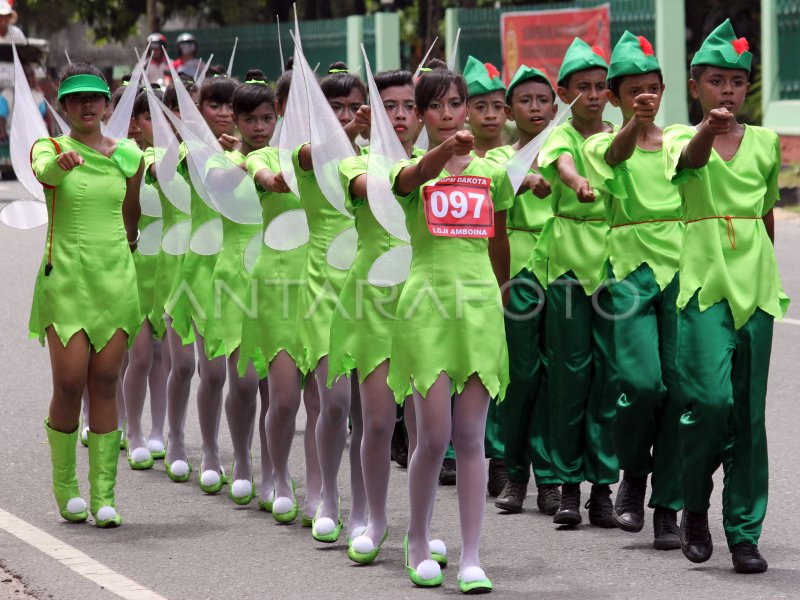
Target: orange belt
(731, 228)
(643, 222)
(578, 219)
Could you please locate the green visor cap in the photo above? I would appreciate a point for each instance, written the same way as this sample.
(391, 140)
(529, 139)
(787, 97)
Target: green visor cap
(83, 83)
(723, 49)
(526, 73)
(633, 55)
(581, 56)
(481, 78)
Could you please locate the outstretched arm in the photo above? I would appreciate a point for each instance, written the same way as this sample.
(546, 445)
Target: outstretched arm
(131, 209)
(431, 165)
(624, 144)
(698, 150)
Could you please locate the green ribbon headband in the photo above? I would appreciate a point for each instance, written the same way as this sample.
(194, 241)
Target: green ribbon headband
(335, 71)
(256, 82)
(83, 83)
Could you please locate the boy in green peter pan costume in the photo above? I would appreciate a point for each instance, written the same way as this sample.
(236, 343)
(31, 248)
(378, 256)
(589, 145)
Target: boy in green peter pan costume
(486, 117)
(524, 412)
(570, 261)
(644, 242)
(730, 293)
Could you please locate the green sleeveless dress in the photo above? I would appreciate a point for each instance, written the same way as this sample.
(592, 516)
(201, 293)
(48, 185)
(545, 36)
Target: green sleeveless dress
(449, 317)
(146, 256)
(361, 333)
(333, 235)
(192, 297)
(233, 292)
(92, 285)
(277, 275)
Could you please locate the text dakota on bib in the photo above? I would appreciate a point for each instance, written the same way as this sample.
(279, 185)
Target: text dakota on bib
(460, 206)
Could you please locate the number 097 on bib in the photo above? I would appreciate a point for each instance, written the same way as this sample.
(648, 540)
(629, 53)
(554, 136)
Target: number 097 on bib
(460, 206)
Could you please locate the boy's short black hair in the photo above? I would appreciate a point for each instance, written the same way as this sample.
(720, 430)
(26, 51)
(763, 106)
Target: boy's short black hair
(616, 82)
(696, 72)
(536, 79)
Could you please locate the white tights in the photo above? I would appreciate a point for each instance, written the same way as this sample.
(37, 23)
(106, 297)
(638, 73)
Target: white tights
(435, 427)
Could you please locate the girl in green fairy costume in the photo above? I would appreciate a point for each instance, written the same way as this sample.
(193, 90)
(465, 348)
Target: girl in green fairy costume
(82, 300)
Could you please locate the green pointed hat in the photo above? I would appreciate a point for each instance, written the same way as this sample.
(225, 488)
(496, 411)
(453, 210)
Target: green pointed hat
(581, 56)
(723, 49)
(525, 73)
(482, 78)
(633, 55)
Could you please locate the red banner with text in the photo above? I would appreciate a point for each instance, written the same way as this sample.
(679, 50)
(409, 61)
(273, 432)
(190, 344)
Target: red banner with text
(540, 38)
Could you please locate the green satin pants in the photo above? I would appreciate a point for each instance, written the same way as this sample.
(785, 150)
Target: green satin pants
(649, 409)
(724, 387)
(524, 412)
(582, 382)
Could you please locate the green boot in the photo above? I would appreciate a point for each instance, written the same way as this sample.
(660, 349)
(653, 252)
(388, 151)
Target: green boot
(65, 483)
(103, 459)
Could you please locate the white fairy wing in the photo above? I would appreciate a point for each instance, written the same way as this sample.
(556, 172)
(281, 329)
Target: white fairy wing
(150, 239)
(201, 76)
(173, 186)
(518, 165)
(287, 231)
(251, 252)
(329, 142)
(385, 151)
(190, 114)
(60, 122)
(451, 64)
(24, 214)
(276, 134)
(391, 268)
(233, 55)
(27, 126)
(176, 239)
(425, 58)
(422, 140)
(207, 239)
(120, 120)
(342, 250)
(233, 190)
(149, 200)
(295, 126)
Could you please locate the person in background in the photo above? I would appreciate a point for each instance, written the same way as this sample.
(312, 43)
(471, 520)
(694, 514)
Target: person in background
(8, 31)
(188, 61)
(158, 67)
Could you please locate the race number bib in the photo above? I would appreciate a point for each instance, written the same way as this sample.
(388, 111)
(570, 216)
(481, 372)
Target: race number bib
(460, 206)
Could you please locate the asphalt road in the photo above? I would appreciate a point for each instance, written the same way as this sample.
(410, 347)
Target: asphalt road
(180, 544)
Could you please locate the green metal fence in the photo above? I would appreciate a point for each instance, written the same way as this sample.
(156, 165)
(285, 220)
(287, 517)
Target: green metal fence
(788, 17)
(480, 27)
(324, 42)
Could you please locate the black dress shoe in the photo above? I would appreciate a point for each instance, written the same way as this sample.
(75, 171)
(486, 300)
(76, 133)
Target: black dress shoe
(628, 512)
(600, 507)
(569, 513)
(747, 559)
(498, 477)
(666, 535)
(695, 537)
(513, 496)
(548, 498)
(447, 476)
(400, 445)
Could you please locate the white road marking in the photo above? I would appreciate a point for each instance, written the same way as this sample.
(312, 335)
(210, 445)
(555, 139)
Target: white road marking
(790, 321)
(75, 559)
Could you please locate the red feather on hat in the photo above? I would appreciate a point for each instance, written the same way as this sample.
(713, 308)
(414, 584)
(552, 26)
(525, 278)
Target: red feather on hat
(491, 70)
(599, 51)
(647, 47)
(741, 46)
